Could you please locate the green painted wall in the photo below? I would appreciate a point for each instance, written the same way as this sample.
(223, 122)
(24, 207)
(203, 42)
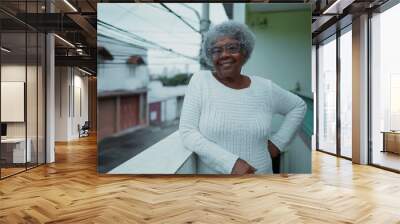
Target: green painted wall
(283, 48)
(283, 54)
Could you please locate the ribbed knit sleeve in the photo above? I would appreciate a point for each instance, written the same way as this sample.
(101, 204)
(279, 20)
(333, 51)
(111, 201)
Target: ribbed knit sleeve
(210, 153)
(293, 108)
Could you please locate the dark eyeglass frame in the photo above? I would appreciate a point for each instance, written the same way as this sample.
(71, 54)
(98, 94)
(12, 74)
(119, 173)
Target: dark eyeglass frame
(216, 52)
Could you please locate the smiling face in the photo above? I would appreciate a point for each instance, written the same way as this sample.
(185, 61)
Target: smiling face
(227, 57)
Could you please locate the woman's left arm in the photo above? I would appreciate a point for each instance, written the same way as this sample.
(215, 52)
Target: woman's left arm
(293, 108)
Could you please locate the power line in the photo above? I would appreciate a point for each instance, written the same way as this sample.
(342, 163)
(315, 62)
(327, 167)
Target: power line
(122, 14)
(151, 64)
(193, 9)
(171, 42)
(180, 17)
(145, 19)
(150, 22)
(139, 38)
(158, 31)
(155, 57)
(120, 54)
(165, 10)
(117, 41)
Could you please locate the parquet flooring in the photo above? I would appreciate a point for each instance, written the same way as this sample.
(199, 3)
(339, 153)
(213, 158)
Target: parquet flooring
(71, 191)
(10, 171)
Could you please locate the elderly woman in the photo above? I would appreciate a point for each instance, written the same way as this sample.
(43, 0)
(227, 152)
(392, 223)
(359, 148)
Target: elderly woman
(226, 115)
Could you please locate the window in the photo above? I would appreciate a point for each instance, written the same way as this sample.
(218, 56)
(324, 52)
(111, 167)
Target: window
(346, 93)
(327, 96)
(22, 67)
(385, 89)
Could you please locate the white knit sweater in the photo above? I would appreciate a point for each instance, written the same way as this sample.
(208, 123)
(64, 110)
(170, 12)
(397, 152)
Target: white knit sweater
(221, 124)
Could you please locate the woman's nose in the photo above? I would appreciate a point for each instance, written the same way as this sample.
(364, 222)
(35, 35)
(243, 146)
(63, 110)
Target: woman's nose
(224, 53)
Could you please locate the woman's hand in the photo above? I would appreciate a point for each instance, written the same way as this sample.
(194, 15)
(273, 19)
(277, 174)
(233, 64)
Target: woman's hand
(273, 150)
(242, 167)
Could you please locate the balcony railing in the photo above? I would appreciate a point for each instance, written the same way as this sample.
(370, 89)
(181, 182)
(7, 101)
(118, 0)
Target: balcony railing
(167, 156)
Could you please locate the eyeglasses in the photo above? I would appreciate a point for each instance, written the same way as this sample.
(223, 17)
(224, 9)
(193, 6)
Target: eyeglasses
(231, 48)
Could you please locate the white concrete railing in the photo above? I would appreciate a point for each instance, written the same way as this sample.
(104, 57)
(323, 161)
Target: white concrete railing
(167, 156)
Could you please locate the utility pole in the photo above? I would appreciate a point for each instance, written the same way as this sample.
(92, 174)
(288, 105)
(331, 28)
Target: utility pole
(204, 26)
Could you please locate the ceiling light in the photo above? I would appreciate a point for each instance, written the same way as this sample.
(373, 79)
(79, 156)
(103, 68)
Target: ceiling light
(336, 7)
(65, 41)
(79, 51)
(5, 50)
(86, 72)
(70, 5)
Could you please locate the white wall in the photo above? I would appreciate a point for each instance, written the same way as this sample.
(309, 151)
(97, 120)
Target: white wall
(61, 103)
(169, 109)
(17, 73)
(14, 73)
(121, 77)
(116, 74)
(79, 117)
(33, 126)
(70, 84)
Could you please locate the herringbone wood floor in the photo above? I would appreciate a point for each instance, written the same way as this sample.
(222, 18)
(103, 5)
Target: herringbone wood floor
(70, 191)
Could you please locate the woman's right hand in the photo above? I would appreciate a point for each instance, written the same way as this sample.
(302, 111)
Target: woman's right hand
(242, 167)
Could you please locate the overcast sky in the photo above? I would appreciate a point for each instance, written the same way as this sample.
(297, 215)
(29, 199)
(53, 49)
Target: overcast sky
(156, 24)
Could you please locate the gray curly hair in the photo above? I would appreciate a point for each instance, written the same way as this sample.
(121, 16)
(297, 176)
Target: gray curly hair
(235, 30)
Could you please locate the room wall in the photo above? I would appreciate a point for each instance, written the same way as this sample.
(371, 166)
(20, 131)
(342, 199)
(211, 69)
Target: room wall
(92, 98)
(12, 73)
(70, 84)
(17, 73)
(79, 117)
(34, 125)
(62, 81)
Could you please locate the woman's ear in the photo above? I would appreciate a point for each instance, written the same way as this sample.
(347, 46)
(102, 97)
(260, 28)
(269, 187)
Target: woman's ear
(244, 60)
